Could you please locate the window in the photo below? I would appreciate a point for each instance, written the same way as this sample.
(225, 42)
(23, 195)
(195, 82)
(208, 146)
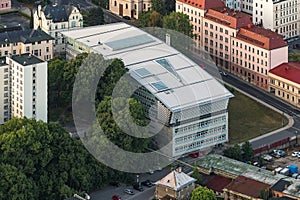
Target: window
(226, 32)
(115, 3)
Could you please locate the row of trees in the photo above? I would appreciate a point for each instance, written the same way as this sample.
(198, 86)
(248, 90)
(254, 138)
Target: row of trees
(241, 153)
(174, 21)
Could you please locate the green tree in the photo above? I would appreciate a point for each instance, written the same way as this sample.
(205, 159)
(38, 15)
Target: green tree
(93, 17)
(233, 152)
(56, 82)
(196, 175)
(203, 193)
(150, 19)
(178, 22)
(41, 161)
(164, 7)
(247, 150)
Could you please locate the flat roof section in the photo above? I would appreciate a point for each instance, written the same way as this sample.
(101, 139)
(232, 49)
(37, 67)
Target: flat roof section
(170, 76)
(26, 59)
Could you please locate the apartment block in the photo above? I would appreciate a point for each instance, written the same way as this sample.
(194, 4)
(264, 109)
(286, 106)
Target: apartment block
(4, 91)
(190, 103)
(281, 16)
(196, 10)
(240, 5)
(24, 88)
(130, 8)
(255, 51)
(238, 46)
(220, 26)
(234, 4)
(285, 82)
(56, 18)
(5, 5)
(17, 42)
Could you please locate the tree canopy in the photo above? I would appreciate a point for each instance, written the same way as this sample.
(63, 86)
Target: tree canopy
(164, 7)
(203, 193)
(41, 161)
(93, 17)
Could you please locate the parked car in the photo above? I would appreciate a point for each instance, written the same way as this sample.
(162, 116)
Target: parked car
(138, 187)
(296, 154)
(117, 184)
(194, 155)
(147, 183)
(267, 157)
(126, 17)
(279, 152)
(129, 191)
(116, 197)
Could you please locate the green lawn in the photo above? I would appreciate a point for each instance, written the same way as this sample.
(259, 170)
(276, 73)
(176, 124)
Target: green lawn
(249, 119)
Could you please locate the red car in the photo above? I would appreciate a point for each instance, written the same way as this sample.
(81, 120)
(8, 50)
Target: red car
(116, 197)
(194, 155)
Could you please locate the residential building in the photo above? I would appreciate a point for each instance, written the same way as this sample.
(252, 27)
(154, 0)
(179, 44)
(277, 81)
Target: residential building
(236, 45)
(56, 18)
(191, 102)
(5, 5)
(285, 82)
(227, 167)
(220, 26)
(176, 185)
(36, 42)
(255, 51)
(240, 5)
(131, 8)
(239, 188)
(28, 86)
(217, 184)
(4, 91)
(281, 16)
(278, 188)
(234, 4)
(195, 10)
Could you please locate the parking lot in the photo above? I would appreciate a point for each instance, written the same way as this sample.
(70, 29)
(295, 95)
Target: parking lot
(284, 161)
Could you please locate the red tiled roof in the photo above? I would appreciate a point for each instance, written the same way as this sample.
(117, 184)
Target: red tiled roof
(204, 4)
(247, 186)
(289, 71)
(218, 183)
(228, 17)
(261, 37)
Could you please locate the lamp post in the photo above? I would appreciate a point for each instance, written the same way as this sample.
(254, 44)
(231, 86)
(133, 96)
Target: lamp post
(137, 179)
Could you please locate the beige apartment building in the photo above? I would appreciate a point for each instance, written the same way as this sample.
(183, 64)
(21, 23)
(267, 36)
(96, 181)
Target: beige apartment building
(4, 91)
(130, 8)
(36, 42)
(56, 18)
(196, 10)
(255, 51)
(235, 44)
(220, 26)
(284, 82)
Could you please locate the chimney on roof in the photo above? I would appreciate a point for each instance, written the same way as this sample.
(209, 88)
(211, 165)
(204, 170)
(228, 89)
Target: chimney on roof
(24, 63)
(249, 26)
(286, 68)
(168, 39)
(179, 169)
